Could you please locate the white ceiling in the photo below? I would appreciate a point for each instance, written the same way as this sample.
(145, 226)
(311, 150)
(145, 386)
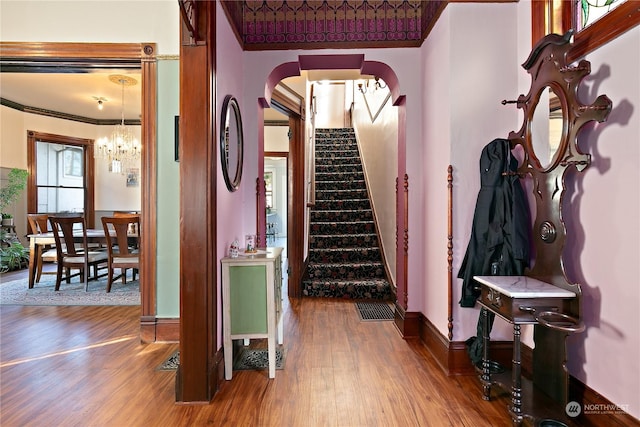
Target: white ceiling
(77, 93)
(74, 93)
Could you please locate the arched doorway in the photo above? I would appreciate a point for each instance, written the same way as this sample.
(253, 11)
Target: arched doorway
(375, 68)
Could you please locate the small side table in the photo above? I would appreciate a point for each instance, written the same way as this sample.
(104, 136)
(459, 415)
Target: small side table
(252, 302)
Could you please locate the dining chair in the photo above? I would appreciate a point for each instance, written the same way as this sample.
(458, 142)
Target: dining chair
(121, 253)
(70, 233)
(38, 224)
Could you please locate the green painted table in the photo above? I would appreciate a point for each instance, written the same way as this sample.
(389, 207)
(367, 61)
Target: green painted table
(252, 302)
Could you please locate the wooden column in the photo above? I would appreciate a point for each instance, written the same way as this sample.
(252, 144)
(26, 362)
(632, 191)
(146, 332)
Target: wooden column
(196, 379)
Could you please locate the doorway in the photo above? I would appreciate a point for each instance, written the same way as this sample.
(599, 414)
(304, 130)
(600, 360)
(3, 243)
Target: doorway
(276, 195)
(81, 57)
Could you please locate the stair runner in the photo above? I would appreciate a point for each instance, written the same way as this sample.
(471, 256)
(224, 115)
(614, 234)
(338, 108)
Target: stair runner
(344, 253)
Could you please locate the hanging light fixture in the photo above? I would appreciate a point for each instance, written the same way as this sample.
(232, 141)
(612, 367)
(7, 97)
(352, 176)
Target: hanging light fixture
(377, 84)
(122, 148)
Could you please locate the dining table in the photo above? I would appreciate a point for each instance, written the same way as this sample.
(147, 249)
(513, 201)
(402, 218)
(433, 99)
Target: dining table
(94, 235)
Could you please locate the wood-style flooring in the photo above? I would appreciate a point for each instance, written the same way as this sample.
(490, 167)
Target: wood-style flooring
(85, 366)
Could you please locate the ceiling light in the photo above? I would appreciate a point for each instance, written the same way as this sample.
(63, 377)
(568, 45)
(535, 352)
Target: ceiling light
(101, 102)
(122, 149)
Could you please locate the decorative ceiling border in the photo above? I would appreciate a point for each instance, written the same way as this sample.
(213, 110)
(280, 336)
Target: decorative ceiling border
(319, 24)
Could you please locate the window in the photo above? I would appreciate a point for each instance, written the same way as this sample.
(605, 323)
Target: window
(73, 160)
(606, 20)
(589, 11)
(61, 175)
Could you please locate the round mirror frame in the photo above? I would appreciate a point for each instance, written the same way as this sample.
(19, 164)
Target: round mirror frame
(231, 111)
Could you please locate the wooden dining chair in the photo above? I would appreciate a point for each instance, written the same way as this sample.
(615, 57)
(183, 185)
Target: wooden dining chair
(121, 253)
(70, 233)
(38, 224)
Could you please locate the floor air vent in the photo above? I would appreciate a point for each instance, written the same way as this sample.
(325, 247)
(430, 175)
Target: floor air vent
(372, 311)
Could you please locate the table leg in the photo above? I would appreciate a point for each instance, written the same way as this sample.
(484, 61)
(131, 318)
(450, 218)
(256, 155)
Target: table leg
(485, 379)
(33, 262)
(516, 387)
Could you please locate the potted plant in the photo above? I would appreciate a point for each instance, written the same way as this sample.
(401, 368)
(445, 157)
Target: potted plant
(17, 181)
(7, 218)
(13, 256)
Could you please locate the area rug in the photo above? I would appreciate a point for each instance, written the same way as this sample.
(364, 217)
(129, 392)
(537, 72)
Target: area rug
(17, 292)
(249, 359)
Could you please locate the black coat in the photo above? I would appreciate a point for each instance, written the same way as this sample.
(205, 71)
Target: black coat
(499, 243)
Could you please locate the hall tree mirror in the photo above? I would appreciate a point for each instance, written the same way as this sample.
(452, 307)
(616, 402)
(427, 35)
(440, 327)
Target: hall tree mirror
(544, 296)
(547, 127)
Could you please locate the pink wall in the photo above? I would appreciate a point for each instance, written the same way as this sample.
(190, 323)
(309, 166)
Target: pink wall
(233, 213)
(462, 113)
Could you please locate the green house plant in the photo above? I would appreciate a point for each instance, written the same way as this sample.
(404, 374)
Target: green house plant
(13, 256)
(17, 182)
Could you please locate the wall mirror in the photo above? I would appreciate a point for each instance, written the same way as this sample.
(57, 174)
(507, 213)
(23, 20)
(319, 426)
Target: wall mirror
(547, 127)
(231, 143)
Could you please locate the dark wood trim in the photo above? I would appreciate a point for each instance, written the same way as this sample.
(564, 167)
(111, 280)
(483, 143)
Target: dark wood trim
(196, 378)
(623, 18)
(64, 116)
(407, 322)
(450, 251)
(452, 355)
(148, 219)
(284, 154)
(295, 206)
(332, 45)
(283, 103)
(62, 54)
(161, 329)
(276, 123)
(618, 21)
(77, 56)
(32, 200)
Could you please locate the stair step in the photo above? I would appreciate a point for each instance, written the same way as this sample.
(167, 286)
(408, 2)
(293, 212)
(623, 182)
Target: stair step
(342, 215)
(352, 289)
(356, 184)
(346, 270)
(341, 194)
(342, 204)
(353, 254)
(337, 228)
(337, 154)
(337, 161)
(331, 170)
(321, 241)
(330, 174)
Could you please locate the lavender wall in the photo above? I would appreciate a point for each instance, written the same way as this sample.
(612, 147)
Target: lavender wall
(466, 74)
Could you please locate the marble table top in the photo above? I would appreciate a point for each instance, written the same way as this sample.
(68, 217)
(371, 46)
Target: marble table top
(524, 287)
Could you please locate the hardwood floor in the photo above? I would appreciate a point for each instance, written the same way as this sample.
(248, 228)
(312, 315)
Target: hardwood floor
(85, 366)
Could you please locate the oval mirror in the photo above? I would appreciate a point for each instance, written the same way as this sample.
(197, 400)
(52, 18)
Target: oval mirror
(547, 124)
(231, 142)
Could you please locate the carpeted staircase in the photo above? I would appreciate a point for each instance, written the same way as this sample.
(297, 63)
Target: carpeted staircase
(344, 255)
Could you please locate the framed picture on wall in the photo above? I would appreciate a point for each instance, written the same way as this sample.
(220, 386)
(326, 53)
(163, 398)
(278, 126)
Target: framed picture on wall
(133, 177)
(176, 138)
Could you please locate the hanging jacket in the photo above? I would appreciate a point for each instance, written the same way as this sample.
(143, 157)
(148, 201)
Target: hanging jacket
(499, 242)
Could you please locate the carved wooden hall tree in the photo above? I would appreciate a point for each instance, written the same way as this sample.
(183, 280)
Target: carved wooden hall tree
(545, 297)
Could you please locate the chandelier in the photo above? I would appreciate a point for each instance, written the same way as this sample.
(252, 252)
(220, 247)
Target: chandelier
(122, 148)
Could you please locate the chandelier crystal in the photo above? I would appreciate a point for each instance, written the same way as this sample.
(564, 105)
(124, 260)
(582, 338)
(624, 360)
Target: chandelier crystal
(122, 148)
